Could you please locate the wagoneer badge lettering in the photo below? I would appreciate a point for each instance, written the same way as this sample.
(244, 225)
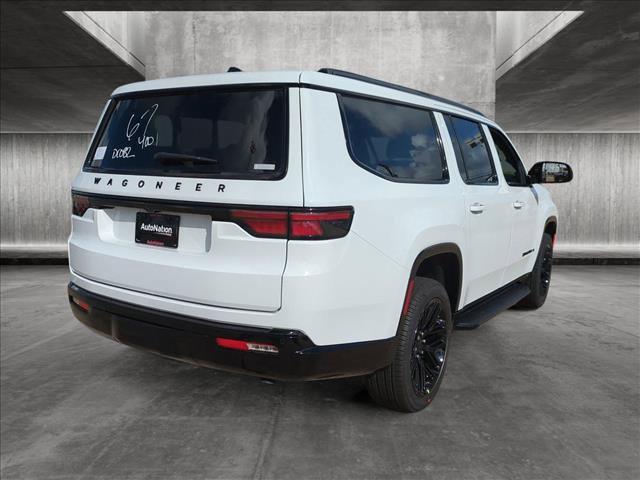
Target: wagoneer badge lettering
(159, 184)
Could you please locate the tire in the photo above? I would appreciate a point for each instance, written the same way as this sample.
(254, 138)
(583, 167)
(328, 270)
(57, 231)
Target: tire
(399, 385)
(540, 278)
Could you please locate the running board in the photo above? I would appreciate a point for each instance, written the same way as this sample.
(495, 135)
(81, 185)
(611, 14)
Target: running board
(485, 309)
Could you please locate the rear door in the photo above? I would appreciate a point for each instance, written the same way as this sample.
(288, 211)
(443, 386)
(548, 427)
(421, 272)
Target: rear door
(487, 225)
(523, 209)
(171, 185)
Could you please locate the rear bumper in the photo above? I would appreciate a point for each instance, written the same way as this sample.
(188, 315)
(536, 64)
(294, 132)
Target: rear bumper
(193, 340)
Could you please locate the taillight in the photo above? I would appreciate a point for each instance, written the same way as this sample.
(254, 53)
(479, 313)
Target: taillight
(296, 224)
(262, 223)
(319, 225)
(80, 204)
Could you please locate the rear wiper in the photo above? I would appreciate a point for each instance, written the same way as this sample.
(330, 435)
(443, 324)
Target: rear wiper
(181, 157)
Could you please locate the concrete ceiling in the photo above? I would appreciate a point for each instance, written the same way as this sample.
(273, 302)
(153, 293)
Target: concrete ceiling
(586, 78)
(435, 5)
(54, 76)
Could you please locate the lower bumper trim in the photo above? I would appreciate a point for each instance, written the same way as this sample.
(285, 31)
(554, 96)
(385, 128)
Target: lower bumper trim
(194, 341)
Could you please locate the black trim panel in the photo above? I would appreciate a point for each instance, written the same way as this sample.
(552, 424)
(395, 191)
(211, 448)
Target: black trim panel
(437, 250)
(194, 340)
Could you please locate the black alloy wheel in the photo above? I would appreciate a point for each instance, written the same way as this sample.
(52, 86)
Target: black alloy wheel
(412, 380)
(429, 349)
(540, 277)
(545, 268)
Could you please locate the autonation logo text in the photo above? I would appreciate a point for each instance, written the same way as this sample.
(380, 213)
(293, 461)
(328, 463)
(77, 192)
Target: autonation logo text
(161, 229)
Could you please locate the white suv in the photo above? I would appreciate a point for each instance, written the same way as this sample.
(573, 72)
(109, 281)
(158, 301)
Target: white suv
(305, 225)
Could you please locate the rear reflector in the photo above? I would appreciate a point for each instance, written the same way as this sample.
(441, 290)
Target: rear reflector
(246, 346)
(82, 304)
(407, 297)
(296, 224)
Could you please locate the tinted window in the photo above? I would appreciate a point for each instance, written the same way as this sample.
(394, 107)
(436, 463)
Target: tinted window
(511, 165)
(395, 141)
(206, 133)
(472, 152)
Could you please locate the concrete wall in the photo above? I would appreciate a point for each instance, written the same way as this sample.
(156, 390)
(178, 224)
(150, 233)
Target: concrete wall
(599, 208)
(451, 54)
(35, 179)
(448, 53)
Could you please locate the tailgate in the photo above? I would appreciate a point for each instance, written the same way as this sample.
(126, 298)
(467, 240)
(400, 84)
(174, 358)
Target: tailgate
(215, 263)
(194, 157)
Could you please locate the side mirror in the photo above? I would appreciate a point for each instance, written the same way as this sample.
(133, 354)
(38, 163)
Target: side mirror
(550, 172)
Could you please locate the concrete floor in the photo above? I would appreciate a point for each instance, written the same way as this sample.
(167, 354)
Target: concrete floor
(552, 393)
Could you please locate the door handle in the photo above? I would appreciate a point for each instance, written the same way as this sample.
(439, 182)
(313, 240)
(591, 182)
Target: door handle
(518, 204)
(476, 207)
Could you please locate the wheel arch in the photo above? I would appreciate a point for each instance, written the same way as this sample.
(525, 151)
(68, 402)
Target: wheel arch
(441, 262)
(551, 226)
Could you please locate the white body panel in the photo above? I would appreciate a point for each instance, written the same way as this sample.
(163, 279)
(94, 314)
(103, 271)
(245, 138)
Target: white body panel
(336, 291)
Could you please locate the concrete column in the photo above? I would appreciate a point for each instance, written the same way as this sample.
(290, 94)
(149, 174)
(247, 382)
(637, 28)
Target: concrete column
(451, 54)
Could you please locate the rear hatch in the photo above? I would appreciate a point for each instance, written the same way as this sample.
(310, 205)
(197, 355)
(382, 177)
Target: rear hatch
(183, 192)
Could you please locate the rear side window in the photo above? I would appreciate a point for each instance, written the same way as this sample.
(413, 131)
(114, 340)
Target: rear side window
(472, 153)
(396, 142)
(208, 133)
(511, 165)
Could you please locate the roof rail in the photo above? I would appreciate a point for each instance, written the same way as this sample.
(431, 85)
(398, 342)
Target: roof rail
(382, 83)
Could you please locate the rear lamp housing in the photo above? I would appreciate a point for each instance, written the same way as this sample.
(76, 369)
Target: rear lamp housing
(293, 223)
(80, 204)
(296, 224)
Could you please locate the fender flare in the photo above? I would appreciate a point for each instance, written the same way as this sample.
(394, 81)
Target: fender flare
(438, 249)
(551, 219)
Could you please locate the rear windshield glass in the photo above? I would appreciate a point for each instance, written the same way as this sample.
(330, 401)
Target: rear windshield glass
(236, 134)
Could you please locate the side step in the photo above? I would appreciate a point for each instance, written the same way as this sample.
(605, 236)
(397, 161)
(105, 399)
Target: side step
(488, 307)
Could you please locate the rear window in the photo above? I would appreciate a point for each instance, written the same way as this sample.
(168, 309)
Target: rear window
(472, 153)
(212, 133)
(397, 142)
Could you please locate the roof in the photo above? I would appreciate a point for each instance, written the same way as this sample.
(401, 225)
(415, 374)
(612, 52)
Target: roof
(335, 80)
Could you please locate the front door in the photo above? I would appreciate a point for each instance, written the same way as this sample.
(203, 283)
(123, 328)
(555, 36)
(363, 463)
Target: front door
(487, 215)
(522, 209)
